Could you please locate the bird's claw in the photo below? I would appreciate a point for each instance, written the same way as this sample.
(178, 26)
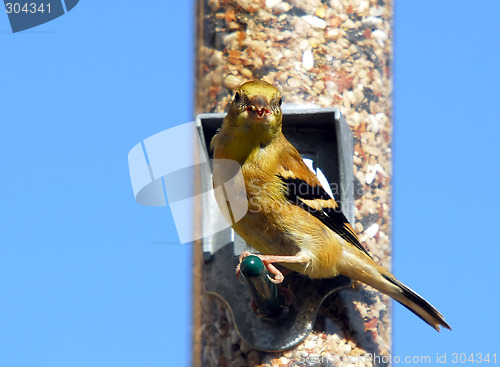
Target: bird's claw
(277, 279)
(278, 275)
(238, 271)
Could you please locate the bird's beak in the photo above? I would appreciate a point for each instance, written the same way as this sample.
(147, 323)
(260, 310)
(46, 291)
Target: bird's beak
(258, 106)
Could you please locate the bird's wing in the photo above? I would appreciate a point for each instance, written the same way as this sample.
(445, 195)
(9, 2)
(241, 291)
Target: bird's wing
(303, 189)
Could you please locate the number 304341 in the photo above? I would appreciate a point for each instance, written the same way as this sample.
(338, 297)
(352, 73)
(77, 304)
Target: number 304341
(26, 8)
(475, 358)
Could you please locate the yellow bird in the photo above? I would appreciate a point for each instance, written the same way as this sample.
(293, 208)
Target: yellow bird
(291, 219)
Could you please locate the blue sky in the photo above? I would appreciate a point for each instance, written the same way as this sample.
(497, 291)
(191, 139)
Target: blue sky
(83, 278)
(446, 129)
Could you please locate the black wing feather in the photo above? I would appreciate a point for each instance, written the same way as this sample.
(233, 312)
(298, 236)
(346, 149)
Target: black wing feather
(297, 189)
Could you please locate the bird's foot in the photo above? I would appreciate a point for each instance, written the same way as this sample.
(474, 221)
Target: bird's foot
(268, 260)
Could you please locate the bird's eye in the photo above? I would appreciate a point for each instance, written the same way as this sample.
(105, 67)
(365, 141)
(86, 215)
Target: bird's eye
(280, 101)
(237, 97)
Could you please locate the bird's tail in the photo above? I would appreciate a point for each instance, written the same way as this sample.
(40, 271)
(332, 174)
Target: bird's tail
(385, 282)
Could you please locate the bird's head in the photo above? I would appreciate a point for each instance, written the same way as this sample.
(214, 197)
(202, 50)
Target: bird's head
(256, 106)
